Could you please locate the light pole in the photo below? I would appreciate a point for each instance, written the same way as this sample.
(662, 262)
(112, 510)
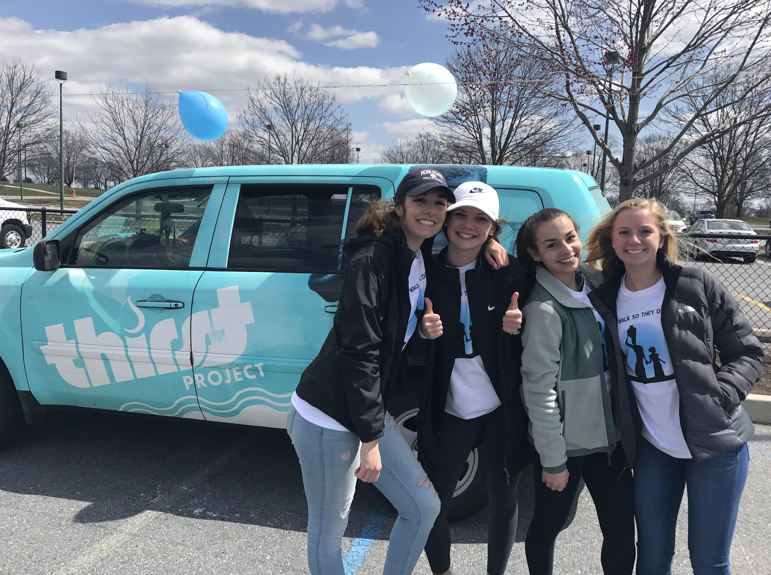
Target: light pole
(269, 127)
(21, 177)
(587, 164)
(357, 154)
(61, 77)
(612, 57)
(596, 128)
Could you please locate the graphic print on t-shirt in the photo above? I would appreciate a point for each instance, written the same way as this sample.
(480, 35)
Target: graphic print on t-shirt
(417, 282)
(645, 348)
(465, 319)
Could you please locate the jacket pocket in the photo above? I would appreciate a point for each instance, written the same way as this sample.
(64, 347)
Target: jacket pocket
(583, 414)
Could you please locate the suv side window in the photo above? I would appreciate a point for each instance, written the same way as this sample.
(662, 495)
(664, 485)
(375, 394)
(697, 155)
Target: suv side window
(293, 228)
(153, 229)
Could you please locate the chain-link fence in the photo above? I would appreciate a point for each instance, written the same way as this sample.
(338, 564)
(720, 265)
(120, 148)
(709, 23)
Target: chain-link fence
(20, 227)
(742, 261)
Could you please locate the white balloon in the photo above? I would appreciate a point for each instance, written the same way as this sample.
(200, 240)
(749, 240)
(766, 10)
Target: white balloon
(431, 89)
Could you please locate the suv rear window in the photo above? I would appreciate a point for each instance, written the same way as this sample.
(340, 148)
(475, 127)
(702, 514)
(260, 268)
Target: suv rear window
(294, 228)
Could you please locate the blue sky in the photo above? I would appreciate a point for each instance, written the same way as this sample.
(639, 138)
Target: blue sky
(208, 44)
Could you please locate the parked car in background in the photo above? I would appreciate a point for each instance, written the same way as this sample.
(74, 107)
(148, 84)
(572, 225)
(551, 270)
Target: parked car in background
(676, 223)
(14, 225)
(745, 247)
(703, 215)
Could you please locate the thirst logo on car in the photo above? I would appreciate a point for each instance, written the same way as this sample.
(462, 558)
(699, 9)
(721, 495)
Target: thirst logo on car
(217, 336)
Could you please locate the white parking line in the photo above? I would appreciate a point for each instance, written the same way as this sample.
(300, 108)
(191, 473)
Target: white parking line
(109, 544)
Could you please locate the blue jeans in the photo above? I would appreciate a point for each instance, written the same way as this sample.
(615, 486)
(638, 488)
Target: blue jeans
(328, 459)
(714, 489)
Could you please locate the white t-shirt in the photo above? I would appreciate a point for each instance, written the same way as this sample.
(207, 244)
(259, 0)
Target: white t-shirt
(583, 297)
(650, 367)
(471, 392)
(417, 283)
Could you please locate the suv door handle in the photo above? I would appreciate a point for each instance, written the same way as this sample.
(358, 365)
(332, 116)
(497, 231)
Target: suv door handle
(330, 308)
(163, 304)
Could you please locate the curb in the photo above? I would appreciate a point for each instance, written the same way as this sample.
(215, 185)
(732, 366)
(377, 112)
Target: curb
(758, 407)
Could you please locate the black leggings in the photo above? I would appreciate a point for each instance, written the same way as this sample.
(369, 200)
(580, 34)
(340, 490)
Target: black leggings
(610, 485)
(456, 440)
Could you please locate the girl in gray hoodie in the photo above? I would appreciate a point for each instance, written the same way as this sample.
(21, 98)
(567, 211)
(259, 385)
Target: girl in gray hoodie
(566, 388)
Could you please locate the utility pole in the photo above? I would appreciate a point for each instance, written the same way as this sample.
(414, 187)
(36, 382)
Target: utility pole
(611, 57)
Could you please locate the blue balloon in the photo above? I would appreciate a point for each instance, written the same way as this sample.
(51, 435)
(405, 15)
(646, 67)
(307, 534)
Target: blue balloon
(202, 115)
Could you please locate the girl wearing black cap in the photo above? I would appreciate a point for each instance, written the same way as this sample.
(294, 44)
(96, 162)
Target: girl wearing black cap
(339, 421)
(472, 396)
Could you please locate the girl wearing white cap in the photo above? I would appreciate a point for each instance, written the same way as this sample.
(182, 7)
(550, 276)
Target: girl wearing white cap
(472, 397)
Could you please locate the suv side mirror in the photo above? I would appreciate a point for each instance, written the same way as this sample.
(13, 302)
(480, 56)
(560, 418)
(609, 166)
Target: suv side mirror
(45, 256)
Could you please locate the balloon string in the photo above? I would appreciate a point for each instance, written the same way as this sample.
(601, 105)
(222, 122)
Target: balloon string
(325, 87)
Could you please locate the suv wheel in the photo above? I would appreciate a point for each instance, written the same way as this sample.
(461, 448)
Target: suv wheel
(12, 237)
(749, 258)
(470, 495)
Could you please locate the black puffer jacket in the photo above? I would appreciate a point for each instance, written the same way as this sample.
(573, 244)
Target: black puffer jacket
(700, 319)
(358, 366)
(489, 295)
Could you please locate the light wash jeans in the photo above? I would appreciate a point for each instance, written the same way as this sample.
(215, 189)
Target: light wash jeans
(328, 459)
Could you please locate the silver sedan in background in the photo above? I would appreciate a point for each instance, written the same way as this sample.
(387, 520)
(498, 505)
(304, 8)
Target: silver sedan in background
(743, 247)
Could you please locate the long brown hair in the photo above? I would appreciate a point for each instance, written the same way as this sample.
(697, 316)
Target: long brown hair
(600, 245)
(380, 218)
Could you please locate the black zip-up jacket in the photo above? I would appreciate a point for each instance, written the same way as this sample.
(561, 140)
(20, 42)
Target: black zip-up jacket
(699, 319)
(358, 366)
(489, 296)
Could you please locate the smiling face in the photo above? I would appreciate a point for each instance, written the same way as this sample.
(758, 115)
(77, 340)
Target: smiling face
(468, 229)
(636, 238)
(558, 247)
(422, 216)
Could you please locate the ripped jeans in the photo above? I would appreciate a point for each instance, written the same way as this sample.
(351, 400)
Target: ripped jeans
(328, 459)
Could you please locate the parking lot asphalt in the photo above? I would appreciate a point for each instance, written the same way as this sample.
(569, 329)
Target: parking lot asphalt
(93, 493)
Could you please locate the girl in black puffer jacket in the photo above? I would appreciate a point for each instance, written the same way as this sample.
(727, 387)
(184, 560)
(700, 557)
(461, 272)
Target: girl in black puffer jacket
(680, 413)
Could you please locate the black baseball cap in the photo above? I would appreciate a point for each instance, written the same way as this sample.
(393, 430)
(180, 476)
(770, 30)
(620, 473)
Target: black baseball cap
(419, 179)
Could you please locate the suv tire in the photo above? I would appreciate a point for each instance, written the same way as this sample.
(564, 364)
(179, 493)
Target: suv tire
(471, 492)
(11, 415)
(749, 258)
(12, 237)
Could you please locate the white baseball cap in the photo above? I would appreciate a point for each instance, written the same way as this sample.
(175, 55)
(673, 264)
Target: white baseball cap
(476, 195)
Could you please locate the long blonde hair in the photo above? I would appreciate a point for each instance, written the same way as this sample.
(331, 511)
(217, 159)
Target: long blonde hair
(600, 245)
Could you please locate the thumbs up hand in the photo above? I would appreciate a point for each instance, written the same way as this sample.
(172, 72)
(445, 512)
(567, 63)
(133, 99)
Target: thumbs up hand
(431, 326)
(512, 319)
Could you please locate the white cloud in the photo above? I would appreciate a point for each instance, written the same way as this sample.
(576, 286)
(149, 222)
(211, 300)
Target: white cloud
(170, 54)
(336, 36)
(395, 104)
(408, 128)
(280, 6)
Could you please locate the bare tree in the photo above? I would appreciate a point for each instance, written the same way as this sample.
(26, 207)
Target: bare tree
(134, 134)
(425, 148)
(612, 55)
(502, 115)
(234, 148)
(24, 111)
(297, 122)
(43, 159)
(665, 183)
(732, 169)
